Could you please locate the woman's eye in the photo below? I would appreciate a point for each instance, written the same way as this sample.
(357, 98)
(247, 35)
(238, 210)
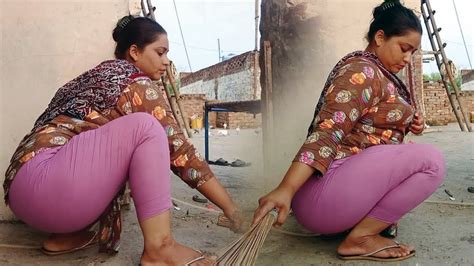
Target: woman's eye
(405, 49)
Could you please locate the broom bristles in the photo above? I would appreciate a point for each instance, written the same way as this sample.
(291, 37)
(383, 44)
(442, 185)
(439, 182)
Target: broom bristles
(245, 250)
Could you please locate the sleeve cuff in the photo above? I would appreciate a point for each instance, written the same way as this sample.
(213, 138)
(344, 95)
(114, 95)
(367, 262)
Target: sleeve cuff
(307, 158)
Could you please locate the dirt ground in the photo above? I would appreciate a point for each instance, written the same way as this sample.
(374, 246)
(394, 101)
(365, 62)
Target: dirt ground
(442, 233)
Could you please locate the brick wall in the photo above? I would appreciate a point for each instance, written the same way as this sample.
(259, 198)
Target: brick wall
(231, 80)
(193, 104)
(241, 120)
(438, 110)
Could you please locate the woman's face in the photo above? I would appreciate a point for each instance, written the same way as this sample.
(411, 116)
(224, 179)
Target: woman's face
(396, 52)
(153, 58)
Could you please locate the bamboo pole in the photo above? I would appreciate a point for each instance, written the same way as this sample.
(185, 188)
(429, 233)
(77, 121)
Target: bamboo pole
(174, 101)
(177, 97)
(267, 104)
(174, 107)
(432, 30)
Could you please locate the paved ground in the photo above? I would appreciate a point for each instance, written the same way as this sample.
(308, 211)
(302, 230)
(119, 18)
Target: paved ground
(442, 233)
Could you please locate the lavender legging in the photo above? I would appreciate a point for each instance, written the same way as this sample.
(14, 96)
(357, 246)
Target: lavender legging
(383, 182)
(67, 188)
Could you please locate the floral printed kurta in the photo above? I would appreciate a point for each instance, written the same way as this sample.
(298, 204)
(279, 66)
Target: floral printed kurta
(361, 108)
(139, 95)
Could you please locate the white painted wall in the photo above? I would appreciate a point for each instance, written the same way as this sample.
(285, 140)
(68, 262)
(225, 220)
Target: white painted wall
(44, 44)
(234, 87)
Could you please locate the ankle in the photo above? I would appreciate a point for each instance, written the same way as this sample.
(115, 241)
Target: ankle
(154, 247)
(358, 233)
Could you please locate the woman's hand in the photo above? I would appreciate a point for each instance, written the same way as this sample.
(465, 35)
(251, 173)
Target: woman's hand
(280, 198)
(417, 125)
(236, 221)
(216, 193)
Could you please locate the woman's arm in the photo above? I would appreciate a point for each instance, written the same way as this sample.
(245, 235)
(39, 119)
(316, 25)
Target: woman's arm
(280, 198)
(185, 161)
(216, 193)
(353, 92)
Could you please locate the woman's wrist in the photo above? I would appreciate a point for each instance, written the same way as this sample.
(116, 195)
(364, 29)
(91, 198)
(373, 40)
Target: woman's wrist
(230, 208)
(216, 193)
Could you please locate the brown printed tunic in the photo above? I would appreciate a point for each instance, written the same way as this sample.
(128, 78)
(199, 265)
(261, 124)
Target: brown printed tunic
(139, 95)
(361, 108)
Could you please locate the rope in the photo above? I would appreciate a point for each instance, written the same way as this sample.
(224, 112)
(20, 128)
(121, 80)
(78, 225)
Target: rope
(19, 246)
(467, 204)
(182, 36)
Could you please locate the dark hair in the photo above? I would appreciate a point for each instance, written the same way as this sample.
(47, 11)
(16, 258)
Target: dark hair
(394, 19)
(135, 30)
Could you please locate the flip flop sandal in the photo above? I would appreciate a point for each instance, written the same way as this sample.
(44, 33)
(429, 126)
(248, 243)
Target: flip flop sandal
(370, 256)
(92, 242)
(196, 198)
(201, 257)
(390, 232)
(239, 163)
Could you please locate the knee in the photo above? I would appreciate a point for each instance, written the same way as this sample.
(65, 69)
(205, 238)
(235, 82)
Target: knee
(148, 123)
(434, 161)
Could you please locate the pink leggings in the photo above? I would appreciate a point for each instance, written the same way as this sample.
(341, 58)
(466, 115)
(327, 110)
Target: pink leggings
(67, 188)
(383, 182)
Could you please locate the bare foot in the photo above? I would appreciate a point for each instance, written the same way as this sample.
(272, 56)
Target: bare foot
(370, 243)
(61, 242)
(173, 253)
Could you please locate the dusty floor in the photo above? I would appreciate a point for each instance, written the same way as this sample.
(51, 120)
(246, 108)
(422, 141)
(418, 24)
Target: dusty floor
(442, 233)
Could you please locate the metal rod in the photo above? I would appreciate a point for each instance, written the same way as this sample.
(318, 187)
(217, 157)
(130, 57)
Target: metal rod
(462, 34)
(206, 133)
(219, 48)
(256, 24)
(182, 36)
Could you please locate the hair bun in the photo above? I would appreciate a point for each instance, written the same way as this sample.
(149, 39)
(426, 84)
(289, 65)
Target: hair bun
(385, 6)
(120, 26)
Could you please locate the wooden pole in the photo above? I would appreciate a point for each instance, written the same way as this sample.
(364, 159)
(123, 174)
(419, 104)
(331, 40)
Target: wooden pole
(433, 30)
(151, 10)
(177, 96)
(256, 24)
(268, 85)
(174, 101)
(174, 107)
(267, 110)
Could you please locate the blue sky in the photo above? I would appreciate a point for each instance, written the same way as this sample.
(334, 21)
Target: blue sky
(232, 21)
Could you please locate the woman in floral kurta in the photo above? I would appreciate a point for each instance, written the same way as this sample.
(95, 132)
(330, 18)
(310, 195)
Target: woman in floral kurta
(108, 126)
(353, 172)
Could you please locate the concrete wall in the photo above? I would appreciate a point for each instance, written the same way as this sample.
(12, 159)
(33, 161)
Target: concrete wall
(307, 37)
(230, 80)
(44, 44)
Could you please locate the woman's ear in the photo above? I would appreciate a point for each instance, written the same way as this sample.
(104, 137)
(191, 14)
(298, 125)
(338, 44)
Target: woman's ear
(134, 52)
(379, 38)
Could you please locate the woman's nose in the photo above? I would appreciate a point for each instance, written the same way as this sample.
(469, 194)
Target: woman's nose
(407, 58)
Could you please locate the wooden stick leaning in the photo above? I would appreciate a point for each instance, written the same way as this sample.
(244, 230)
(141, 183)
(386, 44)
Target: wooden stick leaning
(174, 108)
(177, 97)
(174, 100)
